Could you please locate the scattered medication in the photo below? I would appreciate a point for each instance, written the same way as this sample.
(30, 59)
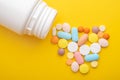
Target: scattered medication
(82, 45)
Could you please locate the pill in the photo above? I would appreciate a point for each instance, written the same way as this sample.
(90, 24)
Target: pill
(95, 48)
(74, 66)
(62, 43)
(83, 39)
(95, 30)
(78, 58)
(59, 26)
(86, 30)
(70, 55)
(103, 42)
(69, 62)
(66, 27)
(80, 29)
(74, 34)
(94, 64)
(54, 40)
(106, 36)
(91, 57)
(100, 34)
(72, 47)
(61, 52)
(54, 31)
(93, 37)
(102, 28)
(84, 49)
(84, 68)
(64, 35)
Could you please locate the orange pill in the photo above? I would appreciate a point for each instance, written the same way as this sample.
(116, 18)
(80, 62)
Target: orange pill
(106, 36)
(100, 34)
(69, 62)
(80, 29)
(54, 40)
(86, 30)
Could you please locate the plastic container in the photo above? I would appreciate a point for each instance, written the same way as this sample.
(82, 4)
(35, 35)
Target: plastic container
(32, 17)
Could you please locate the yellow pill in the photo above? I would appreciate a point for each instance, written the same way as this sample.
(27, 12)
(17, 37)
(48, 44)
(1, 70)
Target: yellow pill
(62, 43)
(70, 55)
(84, 68)
(93, 37)
(94, 64)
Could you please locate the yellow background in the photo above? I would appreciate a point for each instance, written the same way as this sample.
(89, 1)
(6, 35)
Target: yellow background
(28, 58)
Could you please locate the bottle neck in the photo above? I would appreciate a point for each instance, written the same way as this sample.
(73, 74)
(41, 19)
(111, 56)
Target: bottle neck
(40, 20)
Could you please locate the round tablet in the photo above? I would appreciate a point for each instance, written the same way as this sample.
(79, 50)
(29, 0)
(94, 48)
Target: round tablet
(84, 68)
(62, 43)
(74, 67)
(95, 48)
(72, 46)
(70, 55)
(93, 37)
(95, 30)
(61, 52)
(84, 50)
(94, 64)
(103, 42)
(69, 62)
(66, 27)
(102, 28)
(59, 26)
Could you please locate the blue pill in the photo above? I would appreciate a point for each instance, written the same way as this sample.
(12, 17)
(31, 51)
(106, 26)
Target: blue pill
(74, 34)
(91, 57)
(64, 35)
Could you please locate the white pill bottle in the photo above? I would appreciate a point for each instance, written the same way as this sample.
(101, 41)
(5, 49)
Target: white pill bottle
(32, 17)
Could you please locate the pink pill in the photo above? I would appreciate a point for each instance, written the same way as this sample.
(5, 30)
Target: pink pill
(78, 58)
(83, 39)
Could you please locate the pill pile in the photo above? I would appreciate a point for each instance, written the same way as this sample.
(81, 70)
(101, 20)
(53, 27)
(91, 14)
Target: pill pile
(76, 40)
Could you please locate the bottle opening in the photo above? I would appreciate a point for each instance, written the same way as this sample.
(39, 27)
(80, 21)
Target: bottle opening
(40, 21)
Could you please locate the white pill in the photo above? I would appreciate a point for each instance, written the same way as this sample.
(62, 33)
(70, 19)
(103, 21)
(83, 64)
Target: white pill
(66, 27)
(59, 26)
(54, 31)
(72, 47)
(103, 42)
(102, 28)
(95, 48)
(84, 49)
(74, 67)
(70, 55)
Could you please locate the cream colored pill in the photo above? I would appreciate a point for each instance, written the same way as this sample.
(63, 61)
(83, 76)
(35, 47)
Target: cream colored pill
(102, 28)
(54, 31)
(103, 42)
(70, 55)
(74, 67)
(66, 27)
(59, 26)
(94, 64)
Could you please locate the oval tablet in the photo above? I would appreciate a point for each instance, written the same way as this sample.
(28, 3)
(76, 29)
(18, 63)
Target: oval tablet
(91, 57)
(74, 67)
(74, 34)
(83, 39)
(78, 58)
(64, 35)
